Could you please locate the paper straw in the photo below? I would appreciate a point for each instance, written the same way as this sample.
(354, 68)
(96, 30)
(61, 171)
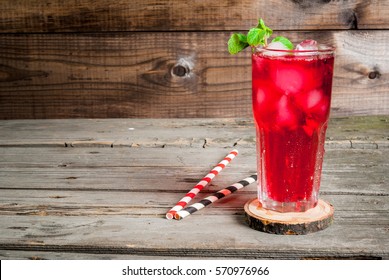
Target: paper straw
(205, 181)
(216, 196)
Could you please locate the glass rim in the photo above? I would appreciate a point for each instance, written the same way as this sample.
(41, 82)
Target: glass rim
(322, 49)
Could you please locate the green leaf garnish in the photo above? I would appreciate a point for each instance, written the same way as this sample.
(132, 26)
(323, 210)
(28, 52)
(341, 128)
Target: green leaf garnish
(262, 25)
(255, 37)
(242, 38)
(288, 44)
(237, 43)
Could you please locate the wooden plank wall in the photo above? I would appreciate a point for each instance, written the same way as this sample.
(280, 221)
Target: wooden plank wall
(168, 58)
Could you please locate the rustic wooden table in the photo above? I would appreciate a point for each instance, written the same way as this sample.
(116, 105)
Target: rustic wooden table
(100, 188)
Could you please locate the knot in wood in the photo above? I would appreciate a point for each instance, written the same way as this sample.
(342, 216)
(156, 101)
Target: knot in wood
(180, 70)
(374, 75)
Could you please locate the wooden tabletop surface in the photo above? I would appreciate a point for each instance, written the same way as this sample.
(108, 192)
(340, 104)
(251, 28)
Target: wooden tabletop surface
(100, 188)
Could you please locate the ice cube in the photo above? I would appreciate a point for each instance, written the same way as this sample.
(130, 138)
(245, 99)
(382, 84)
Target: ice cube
(307, 45)
(312, 122)
(289, 79)
(308, 100)
(314, 104)
(265, 96)
(286, 115)
(259, 97)
(274, 47)
(321, 110)
(262, 104)
(308, 130)
(314, 98)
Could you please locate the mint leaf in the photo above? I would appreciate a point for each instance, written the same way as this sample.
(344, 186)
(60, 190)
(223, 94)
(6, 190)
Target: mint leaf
(237, 43)
(262, 25)
(242, 37)
(256, 36)
(268, 32)
(288, 44)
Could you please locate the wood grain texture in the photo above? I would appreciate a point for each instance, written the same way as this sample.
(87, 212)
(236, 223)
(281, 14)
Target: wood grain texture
(116, 157)
(167, 58)
(42, 255)
(94, 201)
(154, 236)
(363, 132)
(351, 171)
(176, 74)
(72, 202)
(164, 15)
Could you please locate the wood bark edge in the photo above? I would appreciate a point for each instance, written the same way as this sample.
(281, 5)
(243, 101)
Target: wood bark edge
(303, 223)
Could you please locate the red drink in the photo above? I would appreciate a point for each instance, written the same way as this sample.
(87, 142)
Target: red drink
(291, 104)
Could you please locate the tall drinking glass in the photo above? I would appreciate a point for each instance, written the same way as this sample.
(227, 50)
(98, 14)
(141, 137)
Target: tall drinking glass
(291, 94)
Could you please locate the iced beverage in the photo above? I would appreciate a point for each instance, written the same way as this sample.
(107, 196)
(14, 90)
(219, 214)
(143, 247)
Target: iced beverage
(291, 93)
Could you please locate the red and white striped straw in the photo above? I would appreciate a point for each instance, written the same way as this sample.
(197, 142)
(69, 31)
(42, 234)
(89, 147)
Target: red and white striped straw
(216, 196)
(200, 185)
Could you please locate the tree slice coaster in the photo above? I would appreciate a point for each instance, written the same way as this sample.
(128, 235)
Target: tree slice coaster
(290, 223)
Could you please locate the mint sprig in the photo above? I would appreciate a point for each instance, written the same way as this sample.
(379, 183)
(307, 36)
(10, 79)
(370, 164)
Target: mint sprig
(256, 36)
(237, 43)
(262, 25)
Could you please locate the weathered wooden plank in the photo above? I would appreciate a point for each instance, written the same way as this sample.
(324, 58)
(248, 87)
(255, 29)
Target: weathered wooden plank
(30, 202)
(175, 170)
(351, 132)
(174, 74)
(193, 237)
(139, 15)
(47, 255)
(107, 202)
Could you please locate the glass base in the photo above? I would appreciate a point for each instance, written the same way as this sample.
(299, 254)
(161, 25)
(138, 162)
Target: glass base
(297, 206)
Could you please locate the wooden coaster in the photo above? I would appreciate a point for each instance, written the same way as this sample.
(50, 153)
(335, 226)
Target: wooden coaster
(290, 223)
